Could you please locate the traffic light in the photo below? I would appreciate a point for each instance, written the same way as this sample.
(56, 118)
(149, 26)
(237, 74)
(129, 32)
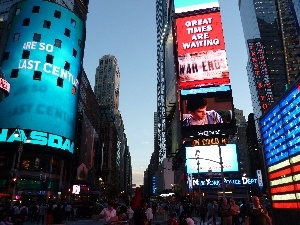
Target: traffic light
(13, 182)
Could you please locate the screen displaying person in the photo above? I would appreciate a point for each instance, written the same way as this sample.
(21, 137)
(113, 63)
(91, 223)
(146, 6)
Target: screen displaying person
(199, 115)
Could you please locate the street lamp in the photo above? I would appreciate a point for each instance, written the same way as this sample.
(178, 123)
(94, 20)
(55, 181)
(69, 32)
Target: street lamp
(222, 172)
(23, 138)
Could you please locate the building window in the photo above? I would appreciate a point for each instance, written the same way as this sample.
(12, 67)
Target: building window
(35, 9)
(74, 53)
(37, 37)
(47, 24)
(14, 73)
(67, 32)
(57, 43)
(6, 56)
(25, 54)
(79, 43)
(37, 75)
(18, 11)
(57, 14)
(67, 66)
(26, 22)
(16, 37)
(73, 23)
(49, 58)
(60, 82)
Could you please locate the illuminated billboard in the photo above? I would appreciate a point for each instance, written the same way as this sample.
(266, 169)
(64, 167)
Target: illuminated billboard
(42, 62)
(4, 86)
(182, 6)
(209, 159)
(207, 111)
(201, 50)
(281, 141)
(261, 73)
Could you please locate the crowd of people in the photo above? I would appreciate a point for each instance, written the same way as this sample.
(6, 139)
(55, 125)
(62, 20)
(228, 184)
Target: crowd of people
(226, 210)
(35, 213)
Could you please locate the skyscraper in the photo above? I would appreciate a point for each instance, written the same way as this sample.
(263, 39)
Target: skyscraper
(271, 33)
(107, 83)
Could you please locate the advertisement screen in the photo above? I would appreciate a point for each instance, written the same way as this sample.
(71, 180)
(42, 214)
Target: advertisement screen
(182, 6)
(42, 62)
(281, 140)
(209, 158)
(202, 57)
(207, 110)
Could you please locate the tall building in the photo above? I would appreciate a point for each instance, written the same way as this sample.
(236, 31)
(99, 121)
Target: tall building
(54, 38)
(271, 32)
(107, 83)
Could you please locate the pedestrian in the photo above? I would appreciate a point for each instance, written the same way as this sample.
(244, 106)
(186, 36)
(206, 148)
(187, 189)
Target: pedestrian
(42, 214)
(154, 208)
(139, 215)
(108, 214)
(226, 213)
(149, 214)
(235, 212)
(173, 219)
(257, 214)
(57, 214)
(189, 218)
(68, 210)
(130, 215)
(202, 212)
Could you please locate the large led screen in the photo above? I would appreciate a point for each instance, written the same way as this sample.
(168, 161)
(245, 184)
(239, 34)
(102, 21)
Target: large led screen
(201, 50)
(182, 6)
(281, 141)
(207, 111)
(42, 62)
(209, 159)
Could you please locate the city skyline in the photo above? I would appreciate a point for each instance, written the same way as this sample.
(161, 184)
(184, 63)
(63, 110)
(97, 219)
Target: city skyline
(130, 35)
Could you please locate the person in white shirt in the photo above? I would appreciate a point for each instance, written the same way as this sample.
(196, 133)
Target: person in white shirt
(130, 215)
(149, 214)
(108, 213)
(189, 218)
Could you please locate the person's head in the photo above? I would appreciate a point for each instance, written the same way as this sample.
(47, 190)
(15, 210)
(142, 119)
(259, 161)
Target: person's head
(173, 215)
(224, 202)
(232, 201)
(255, 201)
(197, 108)
(110, 205)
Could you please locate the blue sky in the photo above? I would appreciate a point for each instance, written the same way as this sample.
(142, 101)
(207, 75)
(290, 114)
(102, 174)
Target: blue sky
(127, 30)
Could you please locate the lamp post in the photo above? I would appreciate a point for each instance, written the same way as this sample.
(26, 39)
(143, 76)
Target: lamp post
(199, 188)
(222, 168)
(18, 133)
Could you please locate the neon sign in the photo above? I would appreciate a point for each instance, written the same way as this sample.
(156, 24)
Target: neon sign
(39, 138)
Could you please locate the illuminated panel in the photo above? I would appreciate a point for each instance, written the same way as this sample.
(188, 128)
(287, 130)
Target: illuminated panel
(209, 158)
(281, 140)
(286, 205)
(182, 6)
(218, 117)
(280, 173)
(283, 189)
(45, 47)
(261, 74)
(202, 57)
(286, 197)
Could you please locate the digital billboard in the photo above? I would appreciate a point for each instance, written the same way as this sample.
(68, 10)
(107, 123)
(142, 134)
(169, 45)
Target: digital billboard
(261, 73)
(281, 140)
(209, 159)
(4, 86)
(42, 62)
(207, 111)
(201, 51)
(182, 6)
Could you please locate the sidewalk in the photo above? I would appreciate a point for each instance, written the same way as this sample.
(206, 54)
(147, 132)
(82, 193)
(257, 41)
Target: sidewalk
(197, 220)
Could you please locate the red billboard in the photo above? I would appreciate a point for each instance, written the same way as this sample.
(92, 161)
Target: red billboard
(202, 57)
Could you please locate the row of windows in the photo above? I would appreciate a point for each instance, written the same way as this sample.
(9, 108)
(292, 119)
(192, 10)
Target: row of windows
(56, 14)
(37, 38)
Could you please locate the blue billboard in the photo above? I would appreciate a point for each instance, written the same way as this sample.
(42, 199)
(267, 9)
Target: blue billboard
(182, 6)
(42, 62)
